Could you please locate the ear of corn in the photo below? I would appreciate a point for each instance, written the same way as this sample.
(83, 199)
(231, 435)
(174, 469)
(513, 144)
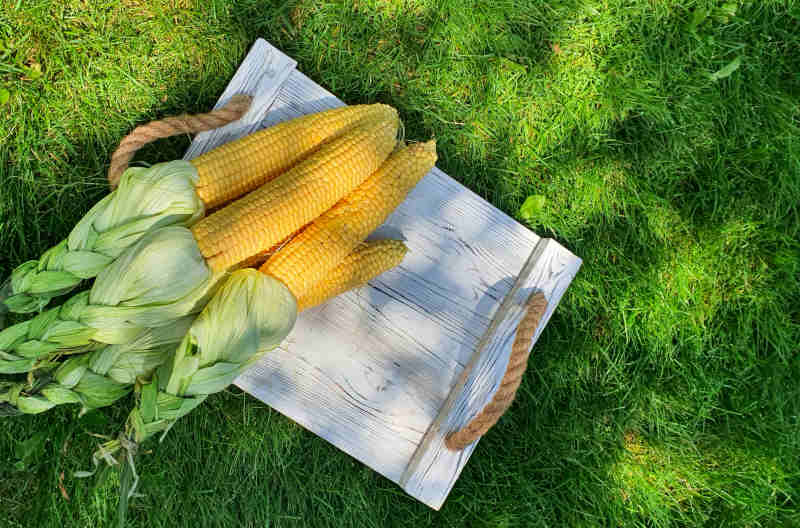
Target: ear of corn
(238, 167)
(332, 236)
(359, 267)
(281, 206)
(173, 193)
(164, 275)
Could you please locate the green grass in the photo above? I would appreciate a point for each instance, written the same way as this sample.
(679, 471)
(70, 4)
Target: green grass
(665, 389)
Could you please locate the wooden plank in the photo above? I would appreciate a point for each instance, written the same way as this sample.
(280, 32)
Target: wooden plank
(482, 348)
(435, 469)
(371, 370)
(261, 75)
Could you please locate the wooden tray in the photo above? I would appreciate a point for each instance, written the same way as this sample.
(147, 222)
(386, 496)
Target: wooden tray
(385, 372)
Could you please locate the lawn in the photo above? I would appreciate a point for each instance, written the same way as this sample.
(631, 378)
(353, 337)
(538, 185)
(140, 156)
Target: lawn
(661, 143)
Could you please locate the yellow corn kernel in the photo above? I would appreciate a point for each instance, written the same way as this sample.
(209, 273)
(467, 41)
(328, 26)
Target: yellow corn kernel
(261, 257)
(283, 205)
(238, 167)
(359, 267)
(309, 256)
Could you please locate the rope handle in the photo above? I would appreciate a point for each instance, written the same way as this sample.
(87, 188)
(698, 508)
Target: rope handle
(172, 126)
(517, 362)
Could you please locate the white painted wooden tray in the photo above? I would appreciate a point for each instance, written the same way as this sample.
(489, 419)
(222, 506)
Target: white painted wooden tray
(386, 372)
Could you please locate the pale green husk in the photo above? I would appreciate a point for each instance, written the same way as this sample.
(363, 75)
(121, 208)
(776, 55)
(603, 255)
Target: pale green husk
(250, 315)
(99, 378)
(146, 199)
(158, 280)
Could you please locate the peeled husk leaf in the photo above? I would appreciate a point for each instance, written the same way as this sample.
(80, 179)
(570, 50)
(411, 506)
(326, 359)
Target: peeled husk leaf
(146, 199)
(101, 377)
(249, 315)
(155, 282)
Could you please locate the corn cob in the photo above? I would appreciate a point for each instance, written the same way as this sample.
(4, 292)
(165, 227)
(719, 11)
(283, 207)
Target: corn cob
(164, 275)
(281, 206)
(359, 267)
(238, 167)
(340, 230)
(174, 193)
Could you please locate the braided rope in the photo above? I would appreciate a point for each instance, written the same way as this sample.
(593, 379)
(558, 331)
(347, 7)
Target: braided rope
(517, 362)
(172, 126)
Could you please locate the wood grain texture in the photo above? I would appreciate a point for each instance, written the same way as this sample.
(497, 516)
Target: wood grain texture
(435, 469)
(261, 74)
(371, 370)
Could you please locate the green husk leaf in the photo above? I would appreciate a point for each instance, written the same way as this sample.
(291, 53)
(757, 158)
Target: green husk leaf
(71, 371)
(127, 362)
(14, 335)
(85, 264)
(161, 278)
(52, 283)
(74, 307)
(60, 395)
(35, 349)
(109, 318)
(83, 235)
(100, 391)
(21, 276)
(103, 359)
(163, 267)
(34, 404)
(182, 373)
(173, 407)
(146, 198)
(68, 334)
(53, 256)
(114, 334)
(17, 367)
(23, 303)
(137, 421)
(251, 313)
(8, 391)
(131, 366)
(147, 404)
(40, 323)
(213, 379)
(162, 190)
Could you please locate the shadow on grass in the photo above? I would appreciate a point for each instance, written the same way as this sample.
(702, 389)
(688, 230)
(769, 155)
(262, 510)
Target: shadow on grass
(663, 382)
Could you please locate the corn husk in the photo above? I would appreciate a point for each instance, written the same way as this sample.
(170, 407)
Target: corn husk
(146, 199)
(99, 378)
(158, 280)
(249, 316)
